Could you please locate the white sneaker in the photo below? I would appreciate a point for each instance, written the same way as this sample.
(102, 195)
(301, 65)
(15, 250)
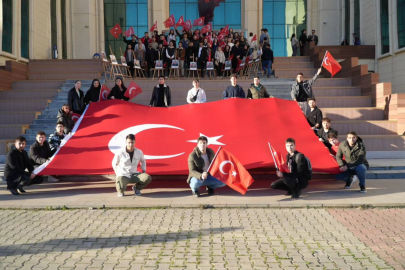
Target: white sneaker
(120, 194)
(52, 179)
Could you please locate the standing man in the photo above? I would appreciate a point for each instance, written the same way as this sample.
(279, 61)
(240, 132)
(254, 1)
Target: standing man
(196, 94)
(297, 177)
(233, 90)
(125, 164)
(56, 138)
(303, 40)
(198, 163)
(76, 98)
(146, 40)
(129, 57)
(181, 56)
(131, 42)
(161, 95)
(256, 90)
(267, 59)
(18, 168)
(315, 116)
(40, 153)
(356, 40)
(313, 38)
(302, 90)
(202, 58)
(354, 166)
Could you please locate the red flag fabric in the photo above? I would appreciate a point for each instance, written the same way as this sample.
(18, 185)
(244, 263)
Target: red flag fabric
(199, 21)
(254, 38)
(231, 57)
(116, 30)
(207, 28)
(133, 90)
(167, 135)
(170, 22)
(330, 64)
(221, 36)
(180, 22)
(239, 65)
(154, 27)
(104, 92)
(165, 43)
(130, 32)
(279, 160)
(143, 40)
(75, 116)
(223, 45)
(188, 25)
(227, 168)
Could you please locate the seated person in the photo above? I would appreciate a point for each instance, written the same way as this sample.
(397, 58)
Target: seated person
(297, 178)
(65, 116)
(56, 138)
(125, 164)
(354, 166)
(198, 163)
(334, 142)
(315, 115)
(40, 153)
(18, 168)
(324, 131)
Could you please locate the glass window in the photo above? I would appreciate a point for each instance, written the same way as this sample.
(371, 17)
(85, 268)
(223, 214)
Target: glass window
(25, 16)
(357, 18)
(63, 22)
(282, 19)
(220, 13)
(129, 13)
(53, 24)
(7, 42)
(385, 35)
(347, 20)
(401, 23)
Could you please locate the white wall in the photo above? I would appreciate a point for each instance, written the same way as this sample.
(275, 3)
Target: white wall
(368, 22)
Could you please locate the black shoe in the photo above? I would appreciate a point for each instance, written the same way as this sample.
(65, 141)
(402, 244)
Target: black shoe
(210, 191)
(21, 190)
(289, 193)
(296, 195)
(196, 193)
(14, 192)
(363, 189)
(351, 181)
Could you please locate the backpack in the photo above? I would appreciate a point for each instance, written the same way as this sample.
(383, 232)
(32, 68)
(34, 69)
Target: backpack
(309, 166)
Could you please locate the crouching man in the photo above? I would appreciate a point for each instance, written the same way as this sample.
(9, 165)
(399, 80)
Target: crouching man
(297, 178)
(198, 163)
(125, 165)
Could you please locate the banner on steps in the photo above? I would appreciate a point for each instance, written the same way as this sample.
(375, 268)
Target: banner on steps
(168, 135)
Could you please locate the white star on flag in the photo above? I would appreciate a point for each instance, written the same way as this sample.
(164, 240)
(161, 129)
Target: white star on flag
(234, 173)
(211, 140)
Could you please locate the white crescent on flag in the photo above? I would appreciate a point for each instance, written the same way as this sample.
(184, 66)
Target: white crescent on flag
(104, 94)
(130, 90)
(75, 118)
(223, 163)
(326, 61)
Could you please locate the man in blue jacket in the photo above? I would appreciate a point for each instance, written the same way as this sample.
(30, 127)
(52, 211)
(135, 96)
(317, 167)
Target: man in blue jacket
(233, 90)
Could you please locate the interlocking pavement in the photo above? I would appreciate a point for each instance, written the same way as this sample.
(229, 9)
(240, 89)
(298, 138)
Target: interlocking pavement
(179, 238)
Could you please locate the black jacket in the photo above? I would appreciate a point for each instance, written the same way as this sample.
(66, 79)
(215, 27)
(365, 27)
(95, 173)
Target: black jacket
(303, 40)
(233, 91)
(190, 52)
(324, 135)
(16, 164)
(299, 168)
(313, 38)
(75, 102)
(307, 85)
(196, 163)
(155, 96)
(203, 56)
(315, 117)
(130, 42)
(67, 121)
(117, 93)
(267, 55)
(40, 154)
(93, 95)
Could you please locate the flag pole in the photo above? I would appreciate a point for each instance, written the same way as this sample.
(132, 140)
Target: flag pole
(274, 159)
(212, 161)
(323, 58)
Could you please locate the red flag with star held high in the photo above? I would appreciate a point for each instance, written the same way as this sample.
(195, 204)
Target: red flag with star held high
(188, 25)
(130, 32)
(279, 162)
(330, 64)
(180, 22)
(133, 90)
(199, 21)
(104, 92)
(116, 30)
(154, 27)
(227, 168)
(170, 22)
(207, 28)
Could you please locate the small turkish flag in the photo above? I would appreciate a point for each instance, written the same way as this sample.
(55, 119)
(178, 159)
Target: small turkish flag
(227, 168)
(231, 57)
(209, 39)
(279, 162)
(240, 62)
(199, 21)
(221, 36)
(132, 91)
(181, 22)
(330, 64)
(188, 25)
(171, 21)
(207, 28)
(223, 45)
(154, 27)
(75, 117)
(116, 30)
(165, 43)
(225, 30)
(130, 32)
(254, 38)
(104, 92)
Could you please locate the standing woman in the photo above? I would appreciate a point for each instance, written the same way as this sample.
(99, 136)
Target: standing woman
(172, 36)
(76, 98)
(227, 52)
(219, 61)
(215, 44)
(118, 91)
(93, 94)
(294, 44)
(236, 54)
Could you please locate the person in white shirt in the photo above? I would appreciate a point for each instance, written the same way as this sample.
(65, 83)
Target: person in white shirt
(196, 94)
(125, 165)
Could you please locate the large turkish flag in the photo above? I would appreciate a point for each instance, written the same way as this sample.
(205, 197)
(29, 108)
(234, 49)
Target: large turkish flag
(330, 64)
(168, 135)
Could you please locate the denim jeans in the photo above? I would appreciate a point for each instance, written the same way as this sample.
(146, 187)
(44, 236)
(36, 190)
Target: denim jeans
(267, 64)
(360, 171)
(211, 182)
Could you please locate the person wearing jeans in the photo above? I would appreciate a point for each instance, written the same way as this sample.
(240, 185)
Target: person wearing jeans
(198, 163)
(354, 166)
(267, 59)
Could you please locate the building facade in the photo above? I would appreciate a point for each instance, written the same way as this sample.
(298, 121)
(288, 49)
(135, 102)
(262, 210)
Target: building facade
(80, 28)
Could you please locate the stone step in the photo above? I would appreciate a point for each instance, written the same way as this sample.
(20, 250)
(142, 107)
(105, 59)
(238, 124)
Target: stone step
(381, 142)
(23, 105)
(292, 65)
(343, 101)
(338, 114)
(292, 73)
(386, 174)
(14, 117)
(291, 59)
(28, 94)
(44, 84)
(328, 82)
(336, 91)
(63, 62)
(384, 127)
(63, 76)
(72, 82)
(64, 68)
(12, 131)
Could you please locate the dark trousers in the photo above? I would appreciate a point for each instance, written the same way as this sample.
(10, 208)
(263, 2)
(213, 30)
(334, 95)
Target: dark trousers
(302, 51)
(219, 69)
(131, 68)
(201, 65)
(24, 180)
(286, 183)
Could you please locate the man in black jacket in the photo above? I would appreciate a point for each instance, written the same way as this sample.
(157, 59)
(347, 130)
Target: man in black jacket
(40, 153)
(202, 55)
(315, 115)
(323, 133)
(131, 42)
(161, 95)
(313, 38)
(297, 177)
(17, 162)
(267, 59)
(76, 98)
(302, 90)
(303, 40)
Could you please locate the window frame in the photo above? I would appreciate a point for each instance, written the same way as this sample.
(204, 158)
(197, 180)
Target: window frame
(13, 54)
(380, 37)
(396, 49)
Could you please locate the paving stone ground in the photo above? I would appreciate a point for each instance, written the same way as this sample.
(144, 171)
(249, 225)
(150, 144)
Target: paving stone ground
(178, 238)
